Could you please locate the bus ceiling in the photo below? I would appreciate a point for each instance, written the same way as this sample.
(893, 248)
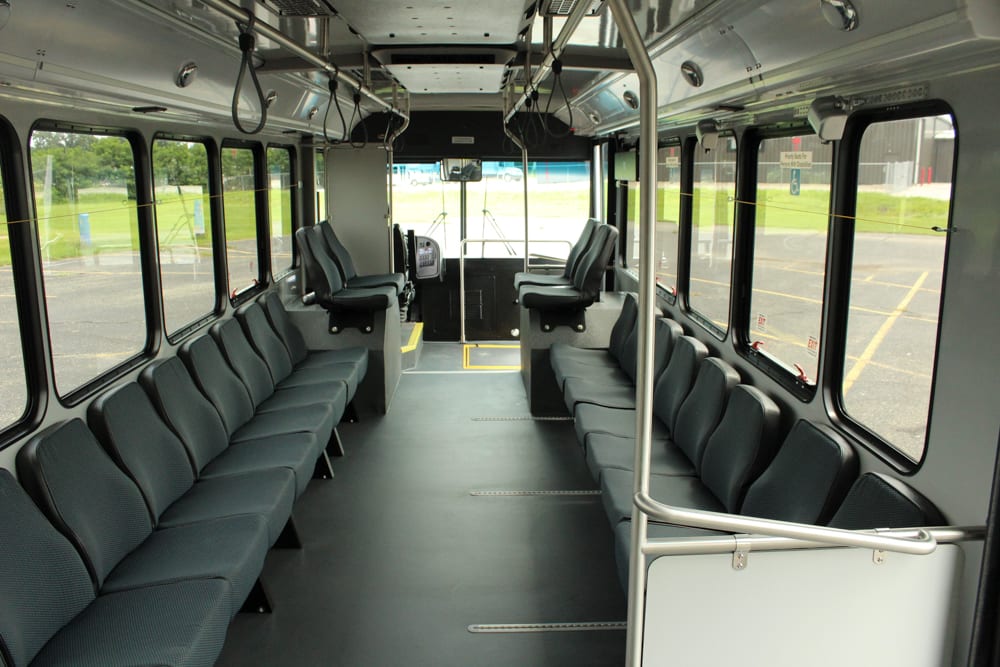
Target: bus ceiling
(723, 59)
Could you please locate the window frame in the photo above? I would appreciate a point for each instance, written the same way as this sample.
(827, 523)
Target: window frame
(746, 233)
(15, 184)
(842, 253)
(214, 214)
(687, 235)
(243, 294)
(295, 197)
(148, 261)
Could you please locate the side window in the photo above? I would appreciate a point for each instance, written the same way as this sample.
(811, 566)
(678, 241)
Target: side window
(319, 165)
(712, 213)
(85, 198)
(240, 213)
(903, 202)
(184, 231)
(791, 219)
(280, 188)
(668, 200)
(13, 383)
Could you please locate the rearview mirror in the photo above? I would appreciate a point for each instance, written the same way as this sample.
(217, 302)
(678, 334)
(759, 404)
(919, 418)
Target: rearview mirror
(461, 169)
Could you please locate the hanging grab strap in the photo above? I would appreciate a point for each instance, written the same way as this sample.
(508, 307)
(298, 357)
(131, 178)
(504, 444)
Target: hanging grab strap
(247, 44)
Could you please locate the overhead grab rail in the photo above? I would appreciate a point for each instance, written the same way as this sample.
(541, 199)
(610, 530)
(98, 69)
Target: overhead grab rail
(554, 52)
(238, 13)
(921, 544)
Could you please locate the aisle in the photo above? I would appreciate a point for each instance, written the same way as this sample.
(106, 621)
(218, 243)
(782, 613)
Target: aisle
(400, 557)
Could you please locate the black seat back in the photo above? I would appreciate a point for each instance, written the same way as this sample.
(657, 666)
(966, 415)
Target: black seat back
(623, 327)
(741, 446)
(43, 581)
(807, 479)
(880, 501)
(702, 409)
(337, 251)
(127, 424)
(321, 273)
(675, 382)
(589, 273)
(580, 247)
(85, 495)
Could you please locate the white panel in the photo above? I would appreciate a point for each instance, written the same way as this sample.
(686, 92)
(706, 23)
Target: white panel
(358, 202)
(824, 607)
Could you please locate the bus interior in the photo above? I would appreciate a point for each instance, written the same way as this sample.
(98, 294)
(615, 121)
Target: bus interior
(522, 332)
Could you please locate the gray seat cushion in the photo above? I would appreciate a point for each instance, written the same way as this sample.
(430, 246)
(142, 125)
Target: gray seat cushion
(182, 624)
(269, 493)
(295, 451)
(232, 548)
(588, 389)
(394, 280)
(590, 418)
(617, 486)
(604, 450)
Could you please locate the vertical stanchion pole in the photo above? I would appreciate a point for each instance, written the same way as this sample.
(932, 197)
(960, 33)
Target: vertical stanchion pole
(647, 293)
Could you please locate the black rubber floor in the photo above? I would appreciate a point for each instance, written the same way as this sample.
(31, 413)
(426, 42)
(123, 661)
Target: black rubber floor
(399, 559)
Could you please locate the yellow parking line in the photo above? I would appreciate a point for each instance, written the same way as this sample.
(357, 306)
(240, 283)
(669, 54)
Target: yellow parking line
(880, 335)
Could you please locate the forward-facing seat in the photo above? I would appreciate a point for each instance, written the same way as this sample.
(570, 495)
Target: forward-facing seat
(348, 307)
(566, 305)
(565, 279)
(348, 271)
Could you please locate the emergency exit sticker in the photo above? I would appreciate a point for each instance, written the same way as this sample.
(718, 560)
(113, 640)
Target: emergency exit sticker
(812, 346)
(761, 322)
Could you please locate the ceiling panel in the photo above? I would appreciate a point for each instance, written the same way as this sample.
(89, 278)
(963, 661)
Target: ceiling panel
(425, 22)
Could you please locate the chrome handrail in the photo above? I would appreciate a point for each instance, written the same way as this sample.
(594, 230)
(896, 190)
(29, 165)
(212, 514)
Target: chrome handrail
(922, 544)
(461, 269)
(711, 544)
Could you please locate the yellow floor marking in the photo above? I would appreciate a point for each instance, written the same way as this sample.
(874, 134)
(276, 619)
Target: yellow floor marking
(411, 344)
(880, 335)
(467, 362)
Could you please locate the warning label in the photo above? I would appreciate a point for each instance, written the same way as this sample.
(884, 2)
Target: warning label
(812, 346)
(761, 322)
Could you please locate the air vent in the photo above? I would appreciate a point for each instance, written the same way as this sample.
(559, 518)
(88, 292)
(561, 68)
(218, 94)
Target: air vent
(304, 8)
(565, 7)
